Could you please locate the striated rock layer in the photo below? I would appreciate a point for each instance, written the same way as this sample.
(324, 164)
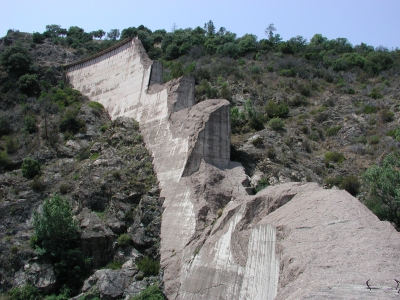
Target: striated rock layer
(290, 242)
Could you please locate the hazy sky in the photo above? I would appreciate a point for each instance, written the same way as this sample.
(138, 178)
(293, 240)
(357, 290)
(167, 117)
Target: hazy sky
(375, 22)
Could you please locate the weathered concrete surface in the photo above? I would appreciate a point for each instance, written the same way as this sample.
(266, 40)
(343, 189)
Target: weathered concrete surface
(294, 241)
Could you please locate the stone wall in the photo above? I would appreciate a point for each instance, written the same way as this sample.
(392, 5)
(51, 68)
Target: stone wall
(181, 136)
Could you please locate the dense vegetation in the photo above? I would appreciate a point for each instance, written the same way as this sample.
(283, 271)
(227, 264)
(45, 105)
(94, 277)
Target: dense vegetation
(324, 109)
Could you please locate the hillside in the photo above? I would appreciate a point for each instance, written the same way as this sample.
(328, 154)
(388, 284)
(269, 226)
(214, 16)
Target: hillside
(321, 112)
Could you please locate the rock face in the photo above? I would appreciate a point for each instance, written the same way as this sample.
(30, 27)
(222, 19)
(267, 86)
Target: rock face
(292, 241)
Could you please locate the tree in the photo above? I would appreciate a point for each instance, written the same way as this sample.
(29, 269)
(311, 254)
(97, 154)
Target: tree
(273, 38)
(383, 183)
(29, 85)
(30, 167)
(209, 28)
(98, 34)
(247, 44)
(269, 31)
(57, 238)
(55, 229)
(113, 34)
(55, 31)
(38, 38)
(16, 60)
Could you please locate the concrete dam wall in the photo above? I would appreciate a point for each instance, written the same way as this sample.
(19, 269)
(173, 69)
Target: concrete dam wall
(218, 242)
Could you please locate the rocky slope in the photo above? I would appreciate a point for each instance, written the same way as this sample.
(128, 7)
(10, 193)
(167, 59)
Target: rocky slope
(106, 174)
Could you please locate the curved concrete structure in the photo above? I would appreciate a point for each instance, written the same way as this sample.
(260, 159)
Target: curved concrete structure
(216, 241)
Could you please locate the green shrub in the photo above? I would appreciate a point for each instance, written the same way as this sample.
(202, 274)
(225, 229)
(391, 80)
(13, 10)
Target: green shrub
(361, 139)
(104, 127)
(71, 123)
(333, 181)
(5, 125)
(386, 115)
(271, 153)
(276, 124)
(64, 188)
(83, 153)
(95, 105)
(332, 131)
(275, 110)
(305, 90)
(124, 240)
(376, 94)
(152, 292)
(30, 167)
(30, 124)
(12, 144)
(262, 184)
(368, 109)
(373, 140)
(55, 226)
(148, 266)
(29, 85)
(351, 184)
(313, 136)
(37, 185)
(26, 292)
(114, 265)
(38, 37)
(57, 238)
(5, 161)
(383, 189)
(16, 60)
(335, 157)
(321, 117)
(258, 141)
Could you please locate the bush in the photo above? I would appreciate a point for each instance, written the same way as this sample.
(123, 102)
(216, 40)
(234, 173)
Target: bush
(30, 167)
(38, 38)
(5, 125)
(29, 124)
(124, 240)
(55, 226)
(26, 292)
(374, 140)
(114, 265)
(321, 117)
(276, 124)
(275, 110)
(148, 266)
(57, 238)
(5, 162)
(150, 293)
(335, 157)
(333, 181)
(350, 184)
(95, 105)
(29, 85)
(305, 90)
(386, 115)
(16, 60)
(71, 123)
(332, 131)
(383, 189)
(262, 184)
(12, 144)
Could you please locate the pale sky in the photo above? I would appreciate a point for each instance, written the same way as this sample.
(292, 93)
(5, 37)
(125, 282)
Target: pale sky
(375, 22)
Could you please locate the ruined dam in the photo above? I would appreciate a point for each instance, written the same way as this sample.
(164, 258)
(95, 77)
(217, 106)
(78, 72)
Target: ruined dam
(292, 241)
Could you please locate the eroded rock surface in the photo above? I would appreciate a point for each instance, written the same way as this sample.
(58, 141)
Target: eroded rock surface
(292, 241)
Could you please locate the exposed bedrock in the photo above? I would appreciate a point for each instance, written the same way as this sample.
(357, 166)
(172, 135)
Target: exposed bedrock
(293, 241)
